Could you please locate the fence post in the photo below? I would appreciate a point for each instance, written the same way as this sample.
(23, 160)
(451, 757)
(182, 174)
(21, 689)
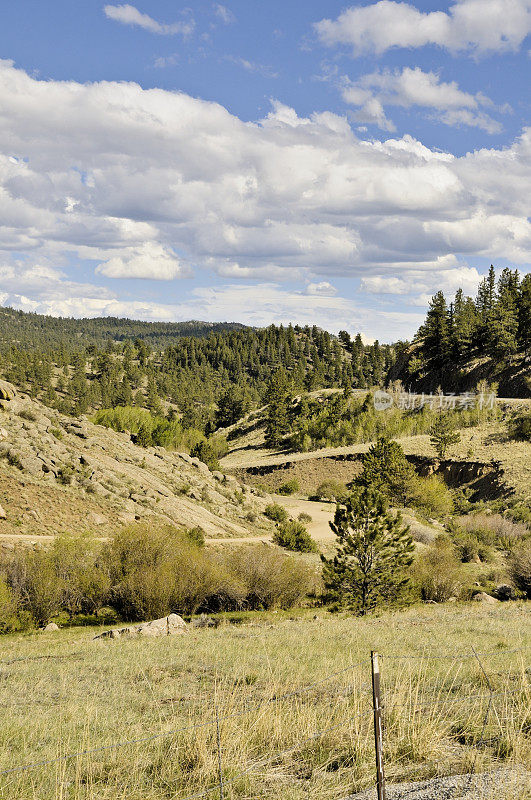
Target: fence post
(220, 770)
(377, 710)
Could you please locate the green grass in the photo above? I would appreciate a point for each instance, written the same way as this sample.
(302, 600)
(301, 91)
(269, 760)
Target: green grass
(85, 694)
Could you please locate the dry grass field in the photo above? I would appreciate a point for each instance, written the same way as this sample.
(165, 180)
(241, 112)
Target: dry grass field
(293, 699)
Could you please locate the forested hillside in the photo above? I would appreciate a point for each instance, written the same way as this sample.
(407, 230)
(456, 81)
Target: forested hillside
(34, 331)
(206, 379)
(467, 340)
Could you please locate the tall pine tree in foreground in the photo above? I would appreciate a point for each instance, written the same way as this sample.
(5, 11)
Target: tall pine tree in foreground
(374, 551)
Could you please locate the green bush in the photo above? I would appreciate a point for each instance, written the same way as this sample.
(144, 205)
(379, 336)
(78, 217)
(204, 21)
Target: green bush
(65, 474)
(290, 487)
(430, 495)
(437, 573)
(492, 530)
(148, 429)
(144, 572)
(276, 512)
(293, 536)
(268, 577)
(210, 451)
(304, 517)
(11, 618)
(519, 564)
(26, 413)
(196, 535)
(157, 570)
(331, 490)
(520, 428)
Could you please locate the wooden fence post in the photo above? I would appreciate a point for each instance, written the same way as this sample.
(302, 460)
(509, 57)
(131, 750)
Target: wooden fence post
(377, 710)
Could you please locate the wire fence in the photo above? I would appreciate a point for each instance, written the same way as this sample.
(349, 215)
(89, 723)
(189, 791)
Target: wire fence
(385, 708)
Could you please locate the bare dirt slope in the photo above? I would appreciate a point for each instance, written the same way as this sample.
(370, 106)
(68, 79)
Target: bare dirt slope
(59, 474)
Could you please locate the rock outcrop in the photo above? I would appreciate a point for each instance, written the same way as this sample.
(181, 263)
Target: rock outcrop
(166, 626)
(93, 478)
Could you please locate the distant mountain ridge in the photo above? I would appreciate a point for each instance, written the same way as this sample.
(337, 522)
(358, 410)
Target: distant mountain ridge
(32, 330)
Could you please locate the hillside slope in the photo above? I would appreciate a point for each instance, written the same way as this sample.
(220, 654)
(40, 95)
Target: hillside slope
(59, 474)
(512, 374)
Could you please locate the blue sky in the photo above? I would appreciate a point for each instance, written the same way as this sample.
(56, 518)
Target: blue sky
(261, 161)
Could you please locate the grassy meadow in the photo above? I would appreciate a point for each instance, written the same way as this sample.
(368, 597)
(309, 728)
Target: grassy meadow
(277, 680)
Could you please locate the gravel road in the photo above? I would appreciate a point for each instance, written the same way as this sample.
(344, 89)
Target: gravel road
(502, 784)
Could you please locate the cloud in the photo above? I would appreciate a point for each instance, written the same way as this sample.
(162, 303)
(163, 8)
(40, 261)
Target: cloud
(150, 260)
(413, 87)
(321, 289)
(47, 291)
(224, 14)
(128, 177)
(129, 15)
(422, 284)
(161, 62)
(251, 66)
(471, 26)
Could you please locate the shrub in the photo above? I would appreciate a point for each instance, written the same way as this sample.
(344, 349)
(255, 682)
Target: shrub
(467, 546)
(293, 536)
(276, 512)
(210, 451)
(11, 619)
(437, 572)
(12, 458)
(519, 564)
(33, 579)
(334, 491)
(84, 584)
(431, 495)
(304, 517)
(269, 577)
(492, 529)
(290, 487)
(196, 535)
(155, 571)
(520, 428)
(65, 475)
(26, 413)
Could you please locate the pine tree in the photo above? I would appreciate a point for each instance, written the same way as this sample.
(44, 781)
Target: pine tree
(503, 328)
(386, 469)
(524, 315)
(278, 402)
(373, 553)
(443, 435)
(463, 326)
(435, 330)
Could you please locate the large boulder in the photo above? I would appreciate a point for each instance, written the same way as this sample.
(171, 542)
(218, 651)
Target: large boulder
(166, 626)
(7, 391)
(483, 597)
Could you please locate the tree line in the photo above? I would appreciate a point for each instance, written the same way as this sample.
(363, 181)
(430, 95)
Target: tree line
(496, 324)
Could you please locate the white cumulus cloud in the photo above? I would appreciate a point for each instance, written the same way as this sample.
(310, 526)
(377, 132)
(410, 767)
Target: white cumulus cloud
(128, 177)
(414, 87)
(150, 260)
(473, 26)
(129, 15)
